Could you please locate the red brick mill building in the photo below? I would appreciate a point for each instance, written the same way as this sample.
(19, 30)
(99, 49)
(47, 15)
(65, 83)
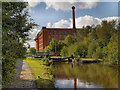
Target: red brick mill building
(47, 34)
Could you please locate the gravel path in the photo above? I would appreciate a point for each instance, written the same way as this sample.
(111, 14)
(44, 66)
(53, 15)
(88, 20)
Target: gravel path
(23, 77)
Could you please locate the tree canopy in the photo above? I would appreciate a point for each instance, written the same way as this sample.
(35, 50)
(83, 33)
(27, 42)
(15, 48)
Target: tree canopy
(16, 23)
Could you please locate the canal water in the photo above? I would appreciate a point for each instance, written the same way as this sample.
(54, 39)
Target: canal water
(69, 75)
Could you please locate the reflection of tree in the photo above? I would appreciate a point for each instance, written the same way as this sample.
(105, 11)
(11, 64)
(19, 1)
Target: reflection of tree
(91, 73)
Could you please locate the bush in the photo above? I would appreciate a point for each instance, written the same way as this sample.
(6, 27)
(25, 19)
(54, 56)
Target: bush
(46, 61)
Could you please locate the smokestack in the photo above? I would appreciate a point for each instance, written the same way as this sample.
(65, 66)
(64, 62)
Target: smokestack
(73, 14)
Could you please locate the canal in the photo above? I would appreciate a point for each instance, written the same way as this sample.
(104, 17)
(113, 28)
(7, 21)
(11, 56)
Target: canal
(77, 75)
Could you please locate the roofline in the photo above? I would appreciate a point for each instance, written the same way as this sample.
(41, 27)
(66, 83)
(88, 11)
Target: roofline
(63, 28)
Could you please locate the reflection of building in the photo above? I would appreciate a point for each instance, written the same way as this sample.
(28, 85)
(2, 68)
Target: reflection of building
(46, 34)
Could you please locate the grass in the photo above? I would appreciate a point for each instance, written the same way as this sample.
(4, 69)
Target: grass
(57, 57)
(86, 59)
(37, 67)
(90, 59)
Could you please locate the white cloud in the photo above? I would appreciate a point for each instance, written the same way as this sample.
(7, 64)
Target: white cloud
(65, 4)
(60, 24)
(80, 4)
(110, 18)
(33, 34)
(80, 22)
(33, 3)
(69, 4)
(86, 20)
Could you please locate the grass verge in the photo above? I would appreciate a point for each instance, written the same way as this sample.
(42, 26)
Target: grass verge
(46, 79)
(90, 59)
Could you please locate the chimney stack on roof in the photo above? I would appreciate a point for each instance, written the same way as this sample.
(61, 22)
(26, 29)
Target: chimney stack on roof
(73, 15)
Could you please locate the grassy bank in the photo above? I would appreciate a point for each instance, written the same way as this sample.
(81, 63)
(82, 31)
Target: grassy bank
(57, 57)
(38, 69)
(90, 59)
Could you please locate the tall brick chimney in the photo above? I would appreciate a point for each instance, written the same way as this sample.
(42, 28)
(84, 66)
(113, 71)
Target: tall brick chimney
(73, 15)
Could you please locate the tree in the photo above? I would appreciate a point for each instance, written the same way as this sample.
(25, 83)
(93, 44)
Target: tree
(92, 48)
(105, 31)
(60, 45)
(68, 40)
(52, 45)
(80, 49)
(16, 24)
(64, 51)
(32, 49)
(111, 50)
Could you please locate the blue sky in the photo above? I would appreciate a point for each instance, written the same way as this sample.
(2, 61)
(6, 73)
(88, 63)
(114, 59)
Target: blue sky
(59, 14)
(42, 16)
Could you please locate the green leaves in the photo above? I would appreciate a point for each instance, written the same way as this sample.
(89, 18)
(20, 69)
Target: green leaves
(16, 24)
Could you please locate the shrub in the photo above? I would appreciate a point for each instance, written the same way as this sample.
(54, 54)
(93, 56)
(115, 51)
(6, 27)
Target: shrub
(46, 61)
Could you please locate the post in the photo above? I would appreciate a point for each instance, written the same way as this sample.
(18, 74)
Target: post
(55, 46)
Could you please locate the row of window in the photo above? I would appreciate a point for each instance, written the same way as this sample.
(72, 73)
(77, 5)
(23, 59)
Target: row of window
(57, 36)
(61, 32)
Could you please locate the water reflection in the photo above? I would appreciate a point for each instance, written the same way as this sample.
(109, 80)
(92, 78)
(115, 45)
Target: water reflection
(74, 83)
(85, 76)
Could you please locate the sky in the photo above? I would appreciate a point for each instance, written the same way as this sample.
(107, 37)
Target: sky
(59, 14)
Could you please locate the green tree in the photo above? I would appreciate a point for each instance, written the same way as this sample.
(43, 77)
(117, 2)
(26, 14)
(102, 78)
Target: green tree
(16, 24)
(92, 48)
(98, 54)
(53, 45)
(64, 51)
(68, 40)
(105, 31)
(60, 45)
(80, 49)
(111, 50)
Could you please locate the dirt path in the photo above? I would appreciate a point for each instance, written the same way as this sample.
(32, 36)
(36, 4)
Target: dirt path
(23, 77)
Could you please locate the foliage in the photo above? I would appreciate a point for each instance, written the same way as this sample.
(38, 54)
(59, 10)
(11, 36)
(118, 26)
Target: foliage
(60, 45)
(32, 49)
(92, 48)
(64, 51)
(111, 50)
(80, 50)
(68, 40)
(52, 45)
(98, 54)
(100, 42)
(47, 49)
(46, 61)
(16, 23)
(104, 32)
